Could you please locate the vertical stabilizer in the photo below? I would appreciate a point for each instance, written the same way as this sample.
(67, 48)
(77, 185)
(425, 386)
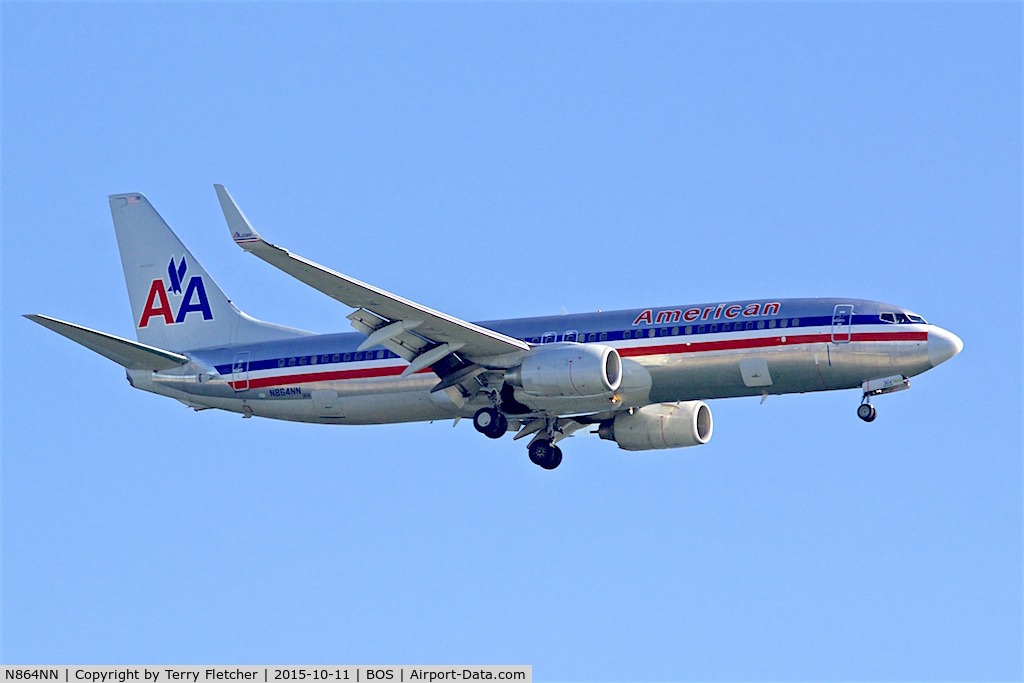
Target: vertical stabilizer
(175, 303)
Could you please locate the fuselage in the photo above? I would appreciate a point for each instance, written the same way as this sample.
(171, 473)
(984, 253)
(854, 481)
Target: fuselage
(677, 353)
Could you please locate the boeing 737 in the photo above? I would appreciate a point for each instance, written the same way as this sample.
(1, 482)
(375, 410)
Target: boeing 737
(637, 377)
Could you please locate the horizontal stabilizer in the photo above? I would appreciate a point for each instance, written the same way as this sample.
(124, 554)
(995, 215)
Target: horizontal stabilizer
(130, 354)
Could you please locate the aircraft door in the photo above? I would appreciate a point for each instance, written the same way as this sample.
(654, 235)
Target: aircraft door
(240, 371)
(842, 319)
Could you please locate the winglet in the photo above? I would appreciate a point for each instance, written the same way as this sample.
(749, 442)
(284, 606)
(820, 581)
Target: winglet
(241, 230)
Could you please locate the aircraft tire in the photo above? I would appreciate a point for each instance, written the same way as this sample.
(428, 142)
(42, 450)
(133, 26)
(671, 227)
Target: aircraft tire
(540, 452)
(497, 428)
(546, 455)
(867, 412)
(555, 460)
(485, 420)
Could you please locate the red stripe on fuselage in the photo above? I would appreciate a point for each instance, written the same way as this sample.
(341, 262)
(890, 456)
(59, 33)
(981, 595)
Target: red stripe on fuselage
(365, 373)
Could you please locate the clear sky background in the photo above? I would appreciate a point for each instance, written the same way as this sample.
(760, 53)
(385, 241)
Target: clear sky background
(504, 160)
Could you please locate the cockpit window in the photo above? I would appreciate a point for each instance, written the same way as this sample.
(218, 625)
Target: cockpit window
(900, 318)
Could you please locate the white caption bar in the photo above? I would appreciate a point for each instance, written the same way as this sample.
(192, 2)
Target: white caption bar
(334, 673)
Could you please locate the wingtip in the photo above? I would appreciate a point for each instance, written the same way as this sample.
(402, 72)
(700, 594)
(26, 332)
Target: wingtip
(241, 230)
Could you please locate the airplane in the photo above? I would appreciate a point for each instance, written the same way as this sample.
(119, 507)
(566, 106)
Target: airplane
(638, 377)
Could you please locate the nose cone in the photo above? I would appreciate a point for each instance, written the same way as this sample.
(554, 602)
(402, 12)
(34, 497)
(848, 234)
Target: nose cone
(942, 345)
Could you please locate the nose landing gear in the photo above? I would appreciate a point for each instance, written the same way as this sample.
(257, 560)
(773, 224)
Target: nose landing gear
(866, 412)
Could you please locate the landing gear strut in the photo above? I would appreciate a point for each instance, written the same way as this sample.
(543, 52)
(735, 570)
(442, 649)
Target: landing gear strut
(545, 454)
(866, 412)
(490, 422)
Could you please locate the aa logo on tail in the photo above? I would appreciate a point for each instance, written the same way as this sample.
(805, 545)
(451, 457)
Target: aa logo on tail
(192, 301)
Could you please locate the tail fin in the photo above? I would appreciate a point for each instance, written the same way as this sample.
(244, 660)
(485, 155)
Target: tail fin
(176, 304)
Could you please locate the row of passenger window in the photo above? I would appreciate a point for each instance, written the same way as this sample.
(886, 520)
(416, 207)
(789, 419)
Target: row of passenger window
(573, 335)
(334, 358)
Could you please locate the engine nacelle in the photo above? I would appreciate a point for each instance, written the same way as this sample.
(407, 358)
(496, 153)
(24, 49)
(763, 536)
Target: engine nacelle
(660, 425)
(569, 370)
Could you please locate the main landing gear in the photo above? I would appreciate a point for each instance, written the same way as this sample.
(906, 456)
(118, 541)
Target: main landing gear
(545, 454)
(490, 422)
(866, 411)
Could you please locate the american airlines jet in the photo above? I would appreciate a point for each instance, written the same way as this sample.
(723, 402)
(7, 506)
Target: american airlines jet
(638, 377)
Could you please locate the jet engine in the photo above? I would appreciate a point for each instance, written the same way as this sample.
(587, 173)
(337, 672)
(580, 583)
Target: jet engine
(660, 425)
(569, 370)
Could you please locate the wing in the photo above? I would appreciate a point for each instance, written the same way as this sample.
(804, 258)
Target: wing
(423, 336)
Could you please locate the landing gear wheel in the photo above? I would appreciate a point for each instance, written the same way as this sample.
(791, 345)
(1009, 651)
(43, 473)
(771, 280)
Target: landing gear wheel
(499, 427)
(866, 412)
(490, 423)
(546, 455)
(556, 458)
(539, 451)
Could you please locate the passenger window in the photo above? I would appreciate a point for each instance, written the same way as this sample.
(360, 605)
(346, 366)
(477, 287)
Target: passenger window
(291, 362)
(796, 322)
(302, 360)
(714, 328)
(570, 335)
(675, 331)
(688, 330)
(591, 337)
(650, 333)
(625, 335)
(280, 362)
(760, 324)
(700, 329)
(771, 323)
(784, 322)
(726, 327)
(348, 357)
(604, 336)
(548, 338)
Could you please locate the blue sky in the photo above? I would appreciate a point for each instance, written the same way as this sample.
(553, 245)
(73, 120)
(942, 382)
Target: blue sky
(502, 160)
